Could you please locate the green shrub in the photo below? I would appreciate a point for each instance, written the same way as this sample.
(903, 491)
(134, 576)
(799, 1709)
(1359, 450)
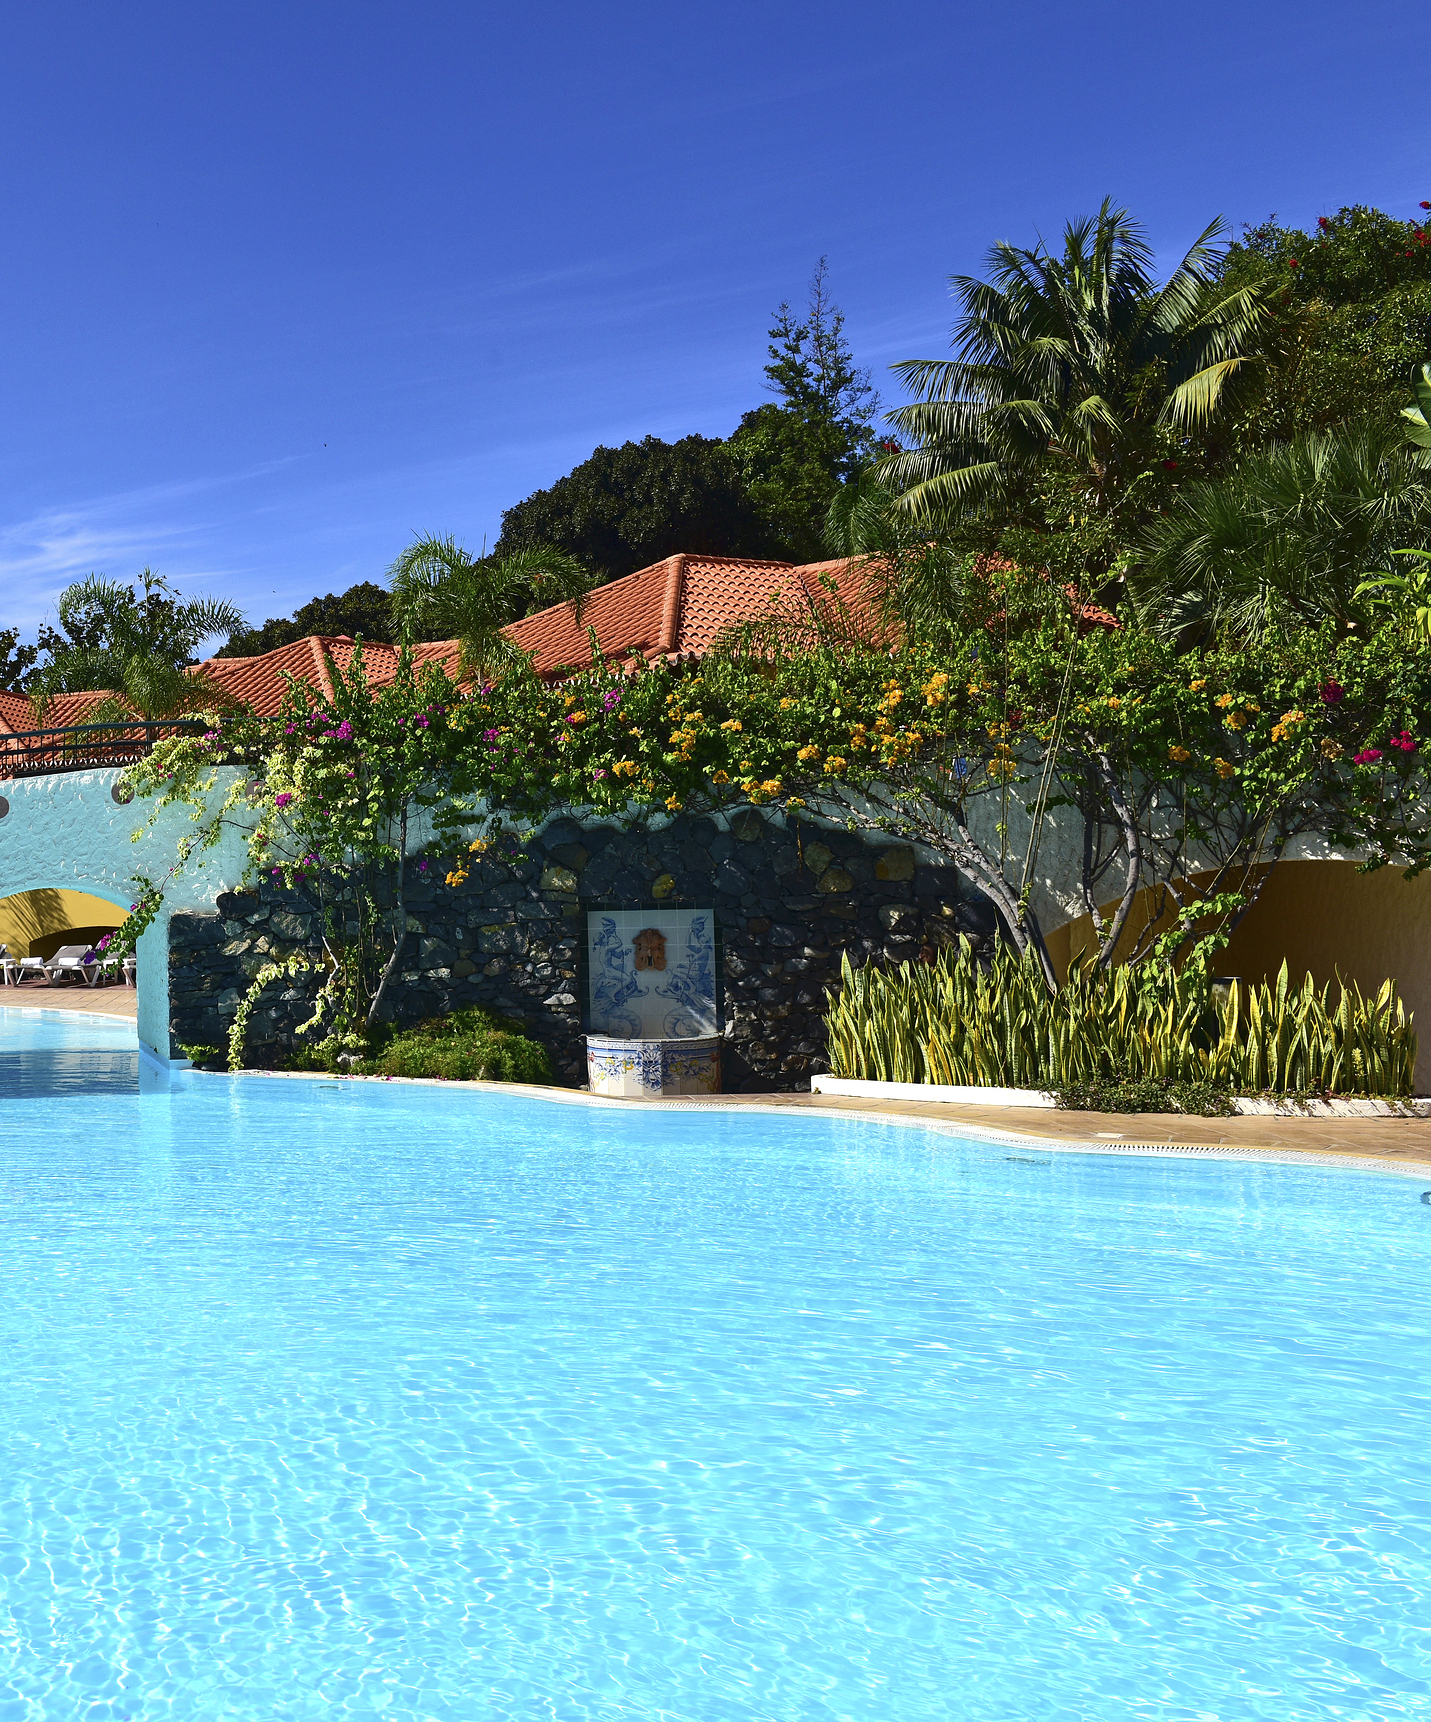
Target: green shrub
(200, 1054)
(960, 1022)
(1124, 1093)
(471, 1045)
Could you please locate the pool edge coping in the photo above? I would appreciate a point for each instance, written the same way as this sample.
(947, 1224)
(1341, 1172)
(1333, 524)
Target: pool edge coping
(69, 1012)
(936, 1126)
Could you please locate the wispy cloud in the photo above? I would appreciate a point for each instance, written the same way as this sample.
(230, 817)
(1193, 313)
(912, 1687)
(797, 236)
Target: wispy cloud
(114, 535)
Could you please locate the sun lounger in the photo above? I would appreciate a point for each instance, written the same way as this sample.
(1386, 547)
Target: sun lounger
(14, 969)
(70, 960)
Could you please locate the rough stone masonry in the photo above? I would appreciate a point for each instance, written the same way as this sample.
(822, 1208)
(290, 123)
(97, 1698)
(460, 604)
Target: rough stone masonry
(789, 900)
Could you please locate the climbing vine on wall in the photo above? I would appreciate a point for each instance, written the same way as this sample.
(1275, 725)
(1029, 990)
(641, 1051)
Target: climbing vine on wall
(1212, 760)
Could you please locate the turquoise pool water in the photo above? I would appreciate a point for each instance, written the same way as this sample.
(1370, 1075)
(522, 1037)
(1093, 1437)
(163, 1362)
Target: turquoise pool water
(332, 1400)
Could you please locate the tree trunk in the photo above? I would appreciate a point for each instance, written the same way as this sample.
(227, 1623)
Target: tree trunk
(399, 919)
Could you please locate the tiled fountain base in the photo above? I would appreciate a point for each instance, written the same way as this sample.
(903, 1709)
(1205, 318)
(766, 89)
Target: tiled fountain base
(652, 1069)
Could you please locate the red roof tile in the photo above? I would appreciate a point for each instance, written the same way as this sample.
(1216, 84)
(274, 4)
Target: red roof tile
(261, 682)
(17, 715)
(675, 609)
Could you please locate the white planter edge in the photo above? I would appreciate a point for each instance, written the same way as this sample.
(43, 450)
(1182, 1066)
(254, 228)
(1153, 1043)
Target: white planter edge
(957, 1096)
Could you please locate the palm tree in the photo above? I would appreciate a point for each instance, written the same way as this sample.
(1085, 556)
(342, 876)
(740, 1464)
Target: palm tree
(440, 592)
(1298, 531)
(138, 648)
(1081, 359)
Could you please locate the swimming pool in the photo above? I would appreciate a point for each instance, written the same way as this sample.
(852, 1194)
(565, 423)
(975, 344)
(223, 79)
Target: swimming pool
(329, 1399)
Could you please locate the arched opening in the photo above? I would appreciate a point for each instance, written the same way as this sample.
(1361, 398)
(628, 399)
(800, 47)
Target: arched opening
(37, 923)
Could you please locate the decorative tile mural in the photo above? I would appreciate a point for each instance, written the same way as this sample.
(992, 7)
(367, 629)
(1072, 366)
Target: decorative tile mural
(652, 973)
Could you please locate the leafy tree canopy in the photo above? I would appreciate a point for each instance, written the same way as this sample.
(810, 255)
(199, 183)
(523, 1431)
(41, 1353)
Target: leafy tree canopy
(16, 660)
(439, 592)
(136, 636)
(1077, 383)
(796, 451)
(764, 492)
(1293, 530)
(1349, 305)
(363, 610)
(624, 508)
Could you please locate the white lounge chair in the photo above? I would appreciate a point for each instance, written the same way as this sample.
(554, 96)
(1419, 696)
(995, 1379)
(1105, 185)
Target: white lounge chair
(69, 960)
(112, 970)
(14, 969)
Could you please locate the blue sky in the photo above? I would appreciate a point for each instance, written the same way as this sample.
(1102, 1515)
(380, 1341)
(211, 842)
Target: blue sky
(284, 284)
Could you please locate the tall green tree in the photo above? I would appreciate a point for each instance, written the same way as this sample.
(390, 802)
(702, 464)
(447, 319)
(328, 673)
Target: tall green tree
(1348, 318)
(796, 451)
(1290, 535)
(1077, 379)
(16, 659)
(361, 612)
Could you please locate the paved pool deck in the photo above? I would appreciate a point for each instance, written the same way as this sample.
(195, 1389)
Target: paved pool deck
(1407, 1139)
(68, 995)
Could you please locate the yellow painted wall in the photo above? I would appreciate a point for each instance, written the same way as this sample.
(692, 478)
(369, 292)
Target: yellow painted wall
(1325, 917)
(37, 923)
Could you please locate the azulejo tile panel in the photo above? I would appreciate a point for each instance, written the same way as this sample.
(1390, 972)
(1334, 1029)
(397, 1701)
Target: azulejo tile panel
(674, 1001)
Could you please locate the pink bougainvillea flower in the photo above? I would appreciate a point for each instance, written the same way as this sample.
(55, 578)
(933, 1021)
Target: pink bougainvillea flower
(1333, 693)
(284, 799)
(1367, 756)
(1403, 741)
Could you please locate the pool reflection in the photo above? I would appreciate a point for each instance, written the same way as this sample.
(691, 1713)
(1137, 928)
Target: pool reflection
(54, 1074)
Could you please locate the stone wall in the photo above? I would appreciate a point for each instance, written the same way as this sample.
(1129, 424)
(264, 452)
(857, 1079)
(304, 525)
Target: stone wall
(788, 901)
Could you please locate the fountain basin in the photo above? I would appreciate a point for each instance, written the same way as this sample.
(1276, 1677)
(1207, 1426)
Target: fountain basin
(653, 1069)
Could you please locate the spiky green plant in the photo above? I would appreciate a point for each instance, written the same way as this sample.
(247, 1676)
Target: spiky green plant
(959, 1021)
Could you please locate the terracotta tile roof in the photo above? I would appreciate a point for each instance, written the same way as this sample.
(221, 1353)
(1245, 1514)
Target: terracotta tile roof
(260, 681)
(674, 609)
(317, 659)
(17, 715)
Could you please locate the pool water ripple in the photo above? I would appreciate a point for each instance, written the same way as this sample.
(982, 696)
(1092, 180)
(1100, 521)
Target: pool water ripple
(356, 1400)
